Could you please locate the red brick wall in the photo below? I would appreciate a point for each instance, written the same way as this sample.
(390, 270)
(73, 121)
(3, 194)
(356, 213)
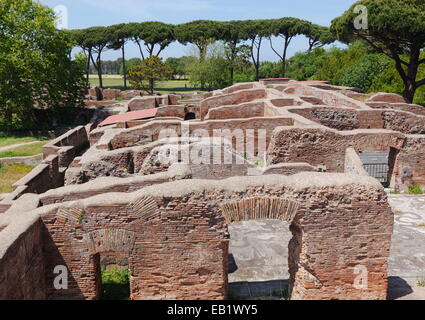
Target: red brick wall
(22, 267)
(178, 245)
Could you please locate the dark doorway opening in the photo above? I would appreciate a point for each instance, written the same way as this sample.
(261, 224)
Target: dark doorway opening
(114, 276)
(190, 116)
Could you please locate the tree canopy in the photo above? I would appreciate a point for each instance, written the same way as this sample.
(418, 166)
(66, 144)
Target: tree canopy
(394, 28)
(156, 36)
(287, 28)
(35, 64)
(200, 33)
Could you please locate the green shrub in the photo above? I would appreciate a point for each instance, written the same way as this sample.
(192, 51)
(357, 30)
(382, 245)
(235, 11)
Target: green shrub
(415, 189)
(116, 284)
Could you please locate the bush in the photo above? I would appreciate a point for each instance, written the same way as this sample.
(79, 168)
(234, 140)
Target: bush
(146, 75)
(212, 73)
(116, 284)
(415, 189)
(364, 71)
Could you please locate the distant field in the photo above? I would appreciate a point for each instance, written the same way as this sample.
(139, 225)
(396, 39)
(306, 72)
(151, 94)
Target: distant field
(9, 140)
(11, 174)
(169, 86)
(24, 151)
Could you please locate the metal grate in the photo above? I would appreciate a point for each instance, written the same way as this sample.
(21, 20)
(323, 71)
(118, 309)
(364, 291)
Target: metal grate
(379, 171)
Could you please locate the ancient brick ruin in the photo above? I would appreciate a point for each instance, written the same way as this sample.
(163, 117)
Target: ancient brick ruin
(105, 189)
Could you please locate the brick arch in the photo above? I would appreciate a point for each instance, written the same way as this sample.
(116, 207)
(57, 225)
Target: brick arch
(110, 240)
(259, 208)
(145, 207)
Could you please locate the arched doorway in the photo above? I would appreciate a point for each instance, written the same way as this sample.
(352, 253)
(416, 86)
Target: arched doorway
(259, 253)
(111, 247)
(258, 260)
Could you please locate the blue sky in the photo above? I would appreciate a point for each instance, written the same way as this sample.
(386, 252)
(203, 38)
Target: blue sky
(87, 13)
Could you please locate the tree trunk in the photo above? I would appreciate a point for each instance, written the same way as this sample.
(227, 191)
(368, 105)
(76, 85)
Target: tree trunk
(123, 66)
(151, 86)
(285, 50)
(88, 67)
(99, 71)
(202, 54)
(257, 67)
(8, 117)
(409, 92)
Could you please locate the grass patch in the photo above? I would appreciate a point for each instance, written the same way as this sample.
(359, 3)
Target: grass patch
(421, 282)
(162, 87)
(24, 151)
(10, 174)
(116, 284)
(10, 140)
(415, 189)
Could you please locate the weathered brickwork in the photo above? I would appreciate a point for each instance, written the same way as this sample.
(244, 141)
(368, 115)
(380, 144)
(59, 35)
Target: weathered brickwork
(178, 243)
(103, 192)
(22, 265)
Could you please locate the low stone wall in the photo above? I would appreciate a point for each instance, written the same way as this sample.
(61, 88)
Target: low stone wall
(343, 119)
(409, 168)
(28, 161)
(21, 259)
(150, 131)
(231, 99)
(330, 98)
(353, 163)
(112, 184)
(67, 145)
(413, 108)
(245, 110)
(289, 168)
(327, 147)
(49, 174)
(403, 122)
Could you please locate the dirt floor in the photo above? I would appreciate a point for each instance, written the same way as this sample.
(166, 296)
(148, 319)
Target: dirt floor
(259, 253)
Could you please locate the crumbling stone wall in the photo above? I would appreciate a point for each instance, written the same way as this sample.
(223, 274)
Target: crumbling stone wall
(231, 99)
(22, 262)
(327, 147)
(409, 168)
(176, 239)
(404, 122)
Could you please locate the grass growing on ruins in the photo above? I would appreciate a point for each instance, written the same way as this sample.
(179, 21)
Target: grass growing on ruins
(416, 189)
(116, 284)
(10, 174)
(24, 151)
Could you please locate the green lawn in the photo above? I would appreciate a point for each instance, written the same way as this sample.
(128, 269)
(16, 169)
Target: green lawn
(164, 87)
(9, 140)
(10, 174)
(24, 151)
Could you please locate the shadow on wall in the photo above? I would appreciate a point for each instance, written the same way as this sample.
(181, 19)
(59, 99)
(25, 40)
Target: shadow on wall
(261, 290)
(398, 288)
(54, 258)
